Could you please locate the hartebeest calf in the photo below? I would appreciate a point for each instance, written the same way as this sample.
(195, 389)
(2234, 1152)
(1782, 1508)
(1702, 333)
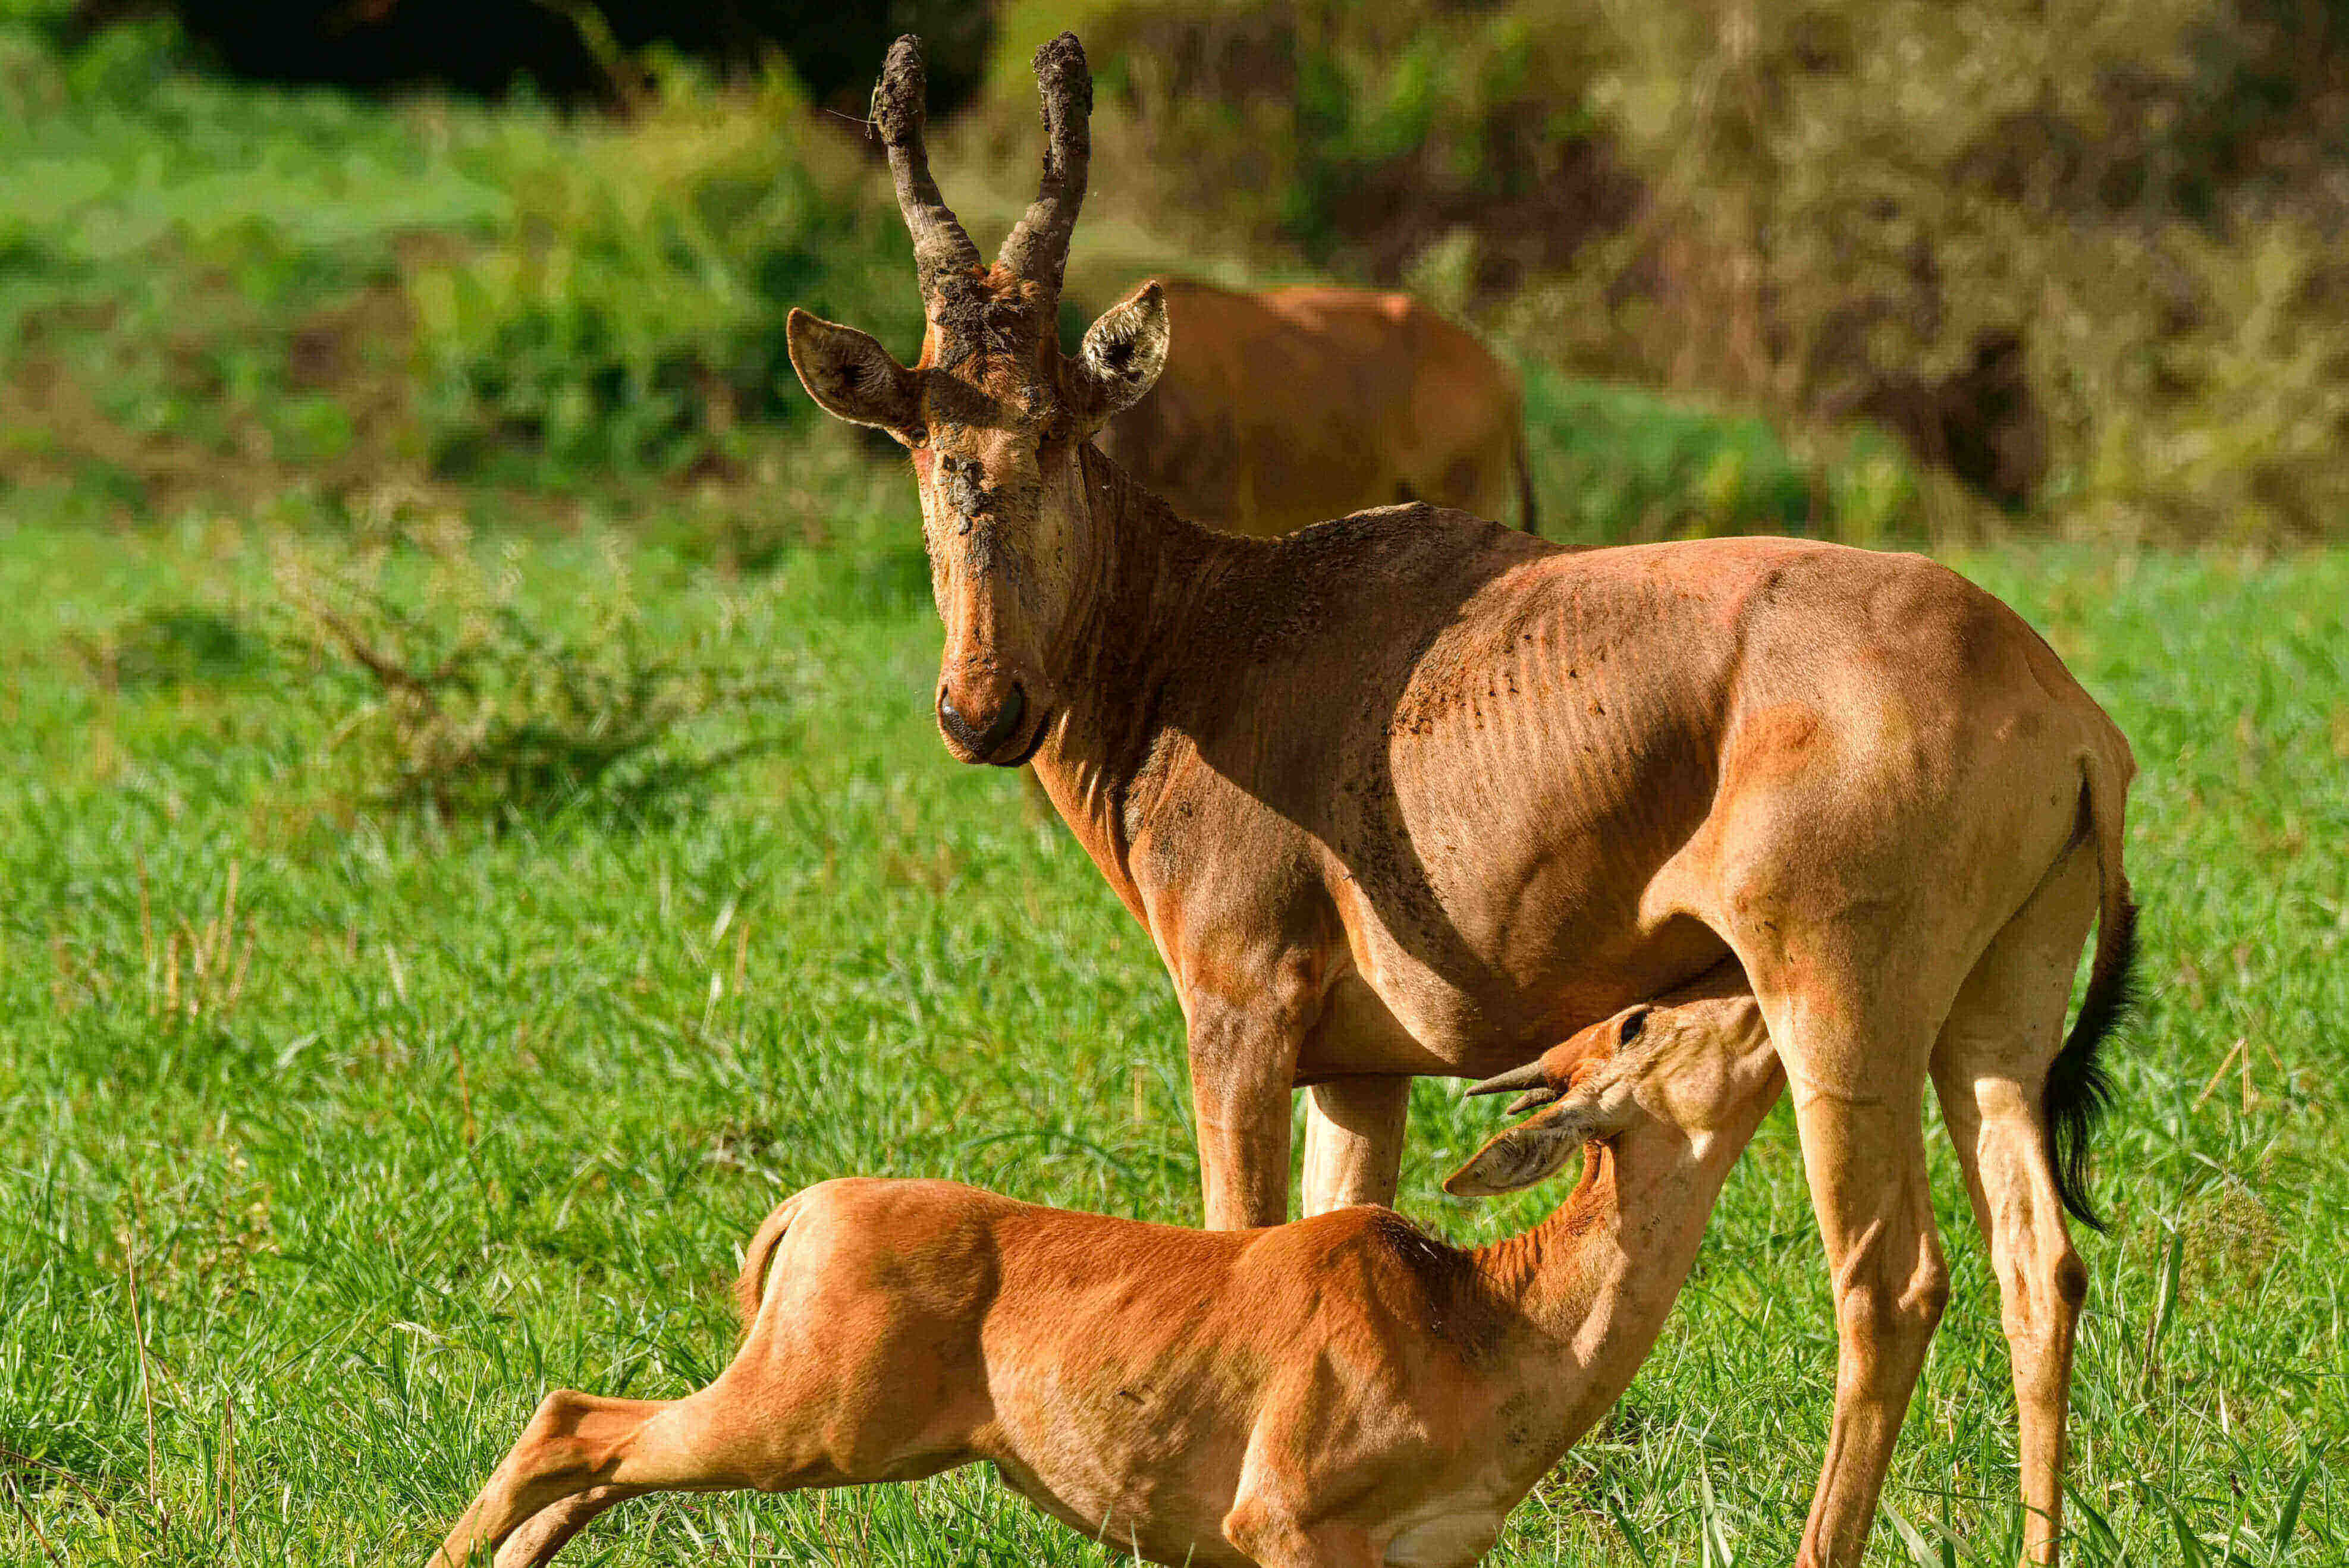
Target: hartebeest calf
(1408, 793)
(1280, 410)
(1338, 1392)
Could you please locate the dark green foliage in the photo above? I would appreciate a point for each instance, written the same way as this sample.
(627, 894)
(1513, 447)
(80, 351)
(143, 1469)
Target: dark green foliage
(1835, 212)
(1618, 464)
(630, 313)
(170, 644)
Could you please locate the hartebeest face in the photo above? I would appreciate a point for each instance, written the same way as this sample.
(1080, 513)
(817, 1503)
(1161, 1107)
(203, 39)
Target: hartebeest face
(992, 411)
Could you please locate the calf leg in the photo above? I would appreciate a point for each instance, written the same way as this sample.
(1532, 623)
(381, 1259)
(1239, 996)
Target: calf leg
(608, 1449)
(1353, 1141)
(1275, 1540)
(549, 1529)
(1990, 1071)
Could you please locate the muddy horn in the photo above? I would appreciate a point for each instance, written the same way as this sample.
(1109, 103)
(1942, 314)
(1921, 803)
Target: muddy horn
(900, 110)
(1037, 249)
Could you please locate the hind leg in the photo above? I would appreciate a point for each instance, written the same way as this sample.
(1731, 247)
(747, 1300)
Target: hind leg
(1990, 1068)
(1854, 1026)
(550, 1529)
(1864, 1154)
(608, 1450)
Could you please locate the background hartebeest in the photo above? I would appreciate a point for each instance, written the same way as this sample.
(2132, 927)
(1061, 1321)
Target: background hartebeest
(1411, 793)
(1279, 409)
(1340, 1392)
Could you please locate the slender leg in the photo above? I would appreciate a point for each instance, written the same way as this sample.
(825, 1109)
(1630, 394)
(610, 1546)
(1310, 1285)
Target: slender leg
(1989, 1070)
(1243, 1121)
(579, 1443)
(1866, 1162)
(549, 1529)
(1243, 1061)
(1353, 1141)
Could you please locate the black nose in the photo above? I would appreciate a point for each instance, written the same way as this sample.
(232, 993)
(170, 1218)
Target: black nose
(982, 743)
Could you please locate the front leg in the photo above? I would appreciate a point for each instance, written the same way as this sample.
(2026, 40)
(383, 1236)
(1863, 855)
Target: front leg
(1353, 1141)
(1243, 1062)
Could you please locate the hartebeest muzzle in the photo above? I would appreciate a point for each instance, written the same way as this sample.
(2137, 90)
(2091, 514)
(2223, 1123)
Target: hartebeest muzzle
(981, 735)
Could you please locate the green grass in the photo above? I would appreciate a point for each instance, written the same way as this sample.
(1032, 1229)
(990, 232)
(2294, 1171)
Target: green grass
(451, 1112)
(493, 1108)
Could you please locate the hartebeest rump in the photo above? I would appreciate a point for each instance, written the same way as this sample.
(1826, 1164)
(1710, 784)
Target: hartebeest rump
(1338, 1392)
(1280, 410)
(1410, 793)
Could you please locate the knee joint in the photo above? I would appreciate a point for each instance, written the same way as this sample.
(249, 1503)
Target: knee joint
(1875, 1306)
(555, 1414)
(2072, 1280)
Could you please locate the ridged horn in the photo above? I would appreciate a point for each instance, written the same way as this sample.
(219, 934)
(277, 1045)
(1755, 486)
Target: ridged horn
(900, 111)
(1037, 249)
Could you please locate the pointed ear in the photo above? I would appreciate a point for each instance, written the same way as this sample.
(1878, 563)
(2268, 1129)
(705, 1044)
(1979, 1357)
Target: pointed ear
(852, 377)
(1525, 1154)
(1121, 358)
(1598, 1104)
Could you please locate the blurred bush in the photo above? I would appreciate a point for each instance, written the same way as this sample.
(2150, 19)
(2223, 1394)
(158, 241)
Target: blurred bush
(455, 701)
(214, 289)
(629, 310)
(2080, 257)
(2082, 263)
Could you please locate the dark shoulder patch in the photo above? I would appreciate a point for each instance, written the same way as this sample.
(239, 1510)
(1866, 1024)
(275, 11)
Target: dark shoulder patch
(1463, 1312)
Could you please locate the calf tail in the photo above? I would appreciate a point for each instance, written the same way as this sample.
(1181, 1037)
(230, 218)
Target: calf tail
(1528, 518)
(751, 1285)
(2079, 1087)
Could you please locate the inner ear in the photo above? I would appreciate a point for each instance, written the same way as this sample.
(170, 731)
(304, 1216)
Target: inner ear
(1120, 357)
(852, 377)
(1517, 1158)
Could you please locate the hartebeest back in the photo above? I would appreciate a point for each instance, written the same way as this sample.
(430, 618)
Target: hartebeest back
(1407, 792)
(1339, 1392)
(1282, 408)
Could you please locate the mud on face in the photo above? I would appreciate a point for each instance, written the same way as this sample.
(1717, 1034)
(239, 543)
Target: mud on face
(992, 411)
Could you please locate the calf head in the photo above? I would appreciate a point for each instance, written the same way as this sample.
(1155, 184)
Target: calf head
(1695, 1068)
(992, 411)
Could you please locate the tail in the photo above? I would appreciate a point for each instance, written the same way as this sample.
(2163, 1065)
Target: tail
(2078, 1086)
(751, 1285)
(1527, 518)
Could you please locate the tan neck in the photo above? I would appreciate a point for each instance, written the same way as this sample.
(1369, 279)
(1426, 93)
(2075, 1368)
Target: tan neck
(1596, 1279)
(1131, 621)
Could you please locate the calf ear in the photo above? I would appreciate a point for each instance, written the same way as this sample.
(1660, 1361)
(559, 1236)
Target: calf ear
(1520, 1157)
(1597, 1105)
(1121, 357)
(852, 377)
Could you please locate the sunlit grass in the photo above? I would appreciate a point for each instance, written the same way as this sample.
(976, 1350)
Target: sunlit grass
(456, 1113)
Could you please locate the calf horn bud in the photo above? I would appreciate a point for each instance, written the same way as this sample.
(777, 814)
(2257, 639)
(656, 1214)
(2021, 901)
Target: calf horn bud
(1037, 249)
(900, 111)
(1528, 1078)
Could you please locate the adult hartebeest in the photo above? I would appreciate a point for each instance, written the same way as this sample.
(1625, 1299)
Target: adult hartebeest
(1339, 1392)
(1280, 410)
(1408, 793)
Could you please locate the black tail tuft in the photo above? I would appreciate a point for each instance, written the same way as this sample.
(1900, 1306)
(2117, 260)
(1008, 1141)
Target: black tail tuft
(2078, 1086)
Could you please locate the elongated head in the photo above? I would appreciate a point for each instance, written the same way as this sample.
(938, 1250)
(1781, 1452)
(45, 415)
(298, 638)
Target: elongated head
(992, 410)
